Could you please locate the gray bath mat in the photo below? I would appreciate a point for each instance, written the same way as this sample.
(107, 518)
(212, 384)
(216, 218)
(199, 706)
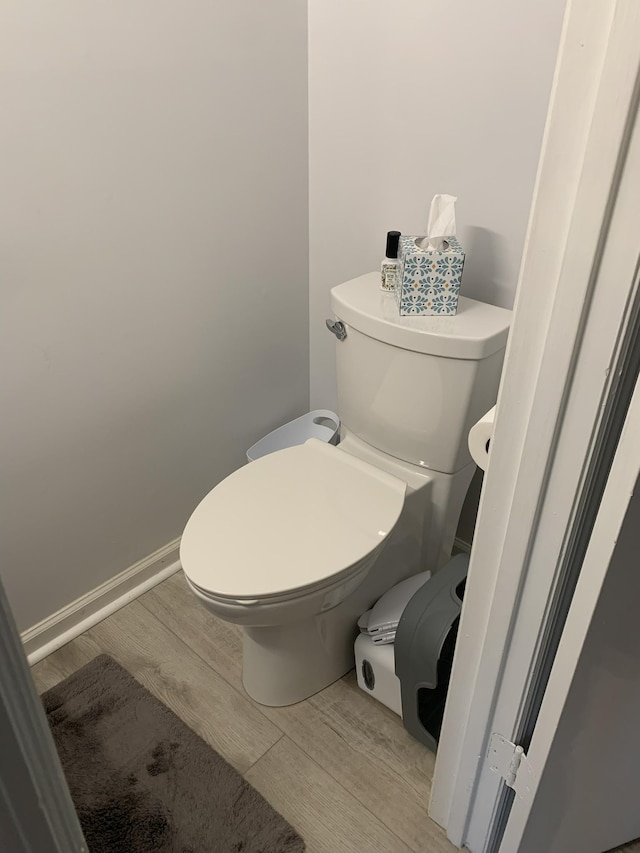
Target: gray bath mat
(141, 780)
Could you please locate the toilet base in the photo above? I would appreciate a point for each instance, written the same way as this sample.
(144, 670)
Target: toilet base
(285, 664)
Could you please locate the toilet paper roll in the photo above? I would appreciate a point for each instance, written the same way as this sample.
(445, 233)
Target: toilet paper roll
(479, 437)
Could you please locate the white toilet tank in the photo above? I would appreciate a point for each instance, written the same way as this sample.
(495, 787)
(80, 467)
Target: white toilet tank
(413, 387)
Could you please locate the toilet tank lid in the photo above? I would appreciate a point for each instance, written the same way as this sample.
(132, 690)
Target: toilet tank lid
(475, 332)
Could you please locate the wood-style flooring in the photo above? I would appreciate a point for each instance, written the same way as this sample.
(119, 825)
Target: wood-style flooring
(340, 767)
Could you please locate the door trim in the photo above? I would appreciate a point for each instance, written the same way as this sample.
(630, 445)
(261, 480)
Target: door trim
(36, 810)
(530, 486)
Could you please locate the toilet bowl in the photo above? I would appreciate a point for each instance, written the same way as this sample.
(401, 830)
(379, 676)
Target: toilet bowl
(280, 544)
(295, 546)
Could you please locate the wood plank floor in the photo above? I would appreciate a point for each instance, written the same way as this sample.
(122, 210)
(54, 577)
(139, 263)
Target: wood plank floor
(340, 767)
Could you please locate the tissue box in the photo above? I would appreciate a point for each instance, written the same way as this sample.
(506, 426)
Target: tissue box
(428, 281)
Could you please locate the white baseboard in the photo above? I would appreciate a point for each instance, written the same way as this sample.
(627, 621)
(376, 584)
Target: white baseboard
(86, 611)
(461, 545)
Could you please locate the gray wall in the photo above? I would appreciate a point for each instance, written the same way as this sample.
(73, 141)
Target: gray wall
(408, 99)
(154, 219)
(588, 792)
(154, 265)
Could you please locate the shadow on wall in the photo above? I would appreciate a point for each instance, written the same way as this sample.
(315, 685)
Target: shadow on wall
(485, 267)
(467, 523)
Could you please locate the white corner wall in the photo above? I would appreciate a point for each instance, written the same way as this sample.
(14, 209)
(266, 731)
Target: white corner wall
(154, 264)
(410, 98)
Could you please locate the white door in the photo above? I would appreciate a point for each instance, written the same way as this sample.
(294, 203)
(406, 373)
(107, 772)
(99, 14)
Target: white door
(578, 789)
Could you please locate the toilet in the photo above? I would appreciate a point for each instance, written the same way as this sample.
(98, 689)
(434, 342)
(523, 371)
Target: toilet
(295, 546)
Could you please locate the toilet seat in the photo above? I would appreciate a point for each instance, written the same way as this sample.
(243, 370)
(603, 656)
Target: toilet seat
(295, 520)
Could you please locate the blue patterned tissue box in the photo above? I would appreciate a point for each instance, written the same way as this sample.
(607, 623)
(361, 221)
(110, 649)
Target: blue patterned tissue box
(428, 281)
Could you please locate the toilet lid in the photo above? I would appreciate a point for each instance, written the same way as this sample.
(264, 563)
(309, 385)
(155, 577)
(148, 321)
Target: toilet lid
(290, 520)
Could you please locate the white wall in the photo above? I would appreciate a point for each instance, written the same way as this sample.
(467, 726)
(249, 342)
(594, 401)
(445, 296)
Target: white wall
(413, 97)
(153, 240)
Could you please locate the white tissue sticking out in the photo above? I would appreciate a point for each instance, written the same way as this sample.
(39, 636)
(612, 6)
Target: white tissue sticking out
(441, 224)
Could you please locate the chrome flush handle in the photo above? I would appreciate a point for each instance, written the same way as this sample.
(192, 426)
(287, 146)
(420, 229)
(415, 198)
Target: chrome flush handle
(338, 329)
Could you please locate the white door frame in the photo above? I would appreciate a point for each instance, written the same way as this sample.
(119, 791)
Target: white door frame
(566, 336)
(36, 810)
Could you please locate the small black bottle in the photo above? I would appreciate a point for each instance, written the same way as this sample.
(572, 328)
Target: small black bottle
(389, 266)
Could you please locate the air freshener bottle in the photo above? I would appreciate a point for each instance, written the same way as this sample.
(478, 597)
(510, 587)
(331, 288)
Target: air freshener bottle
(389, 266)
